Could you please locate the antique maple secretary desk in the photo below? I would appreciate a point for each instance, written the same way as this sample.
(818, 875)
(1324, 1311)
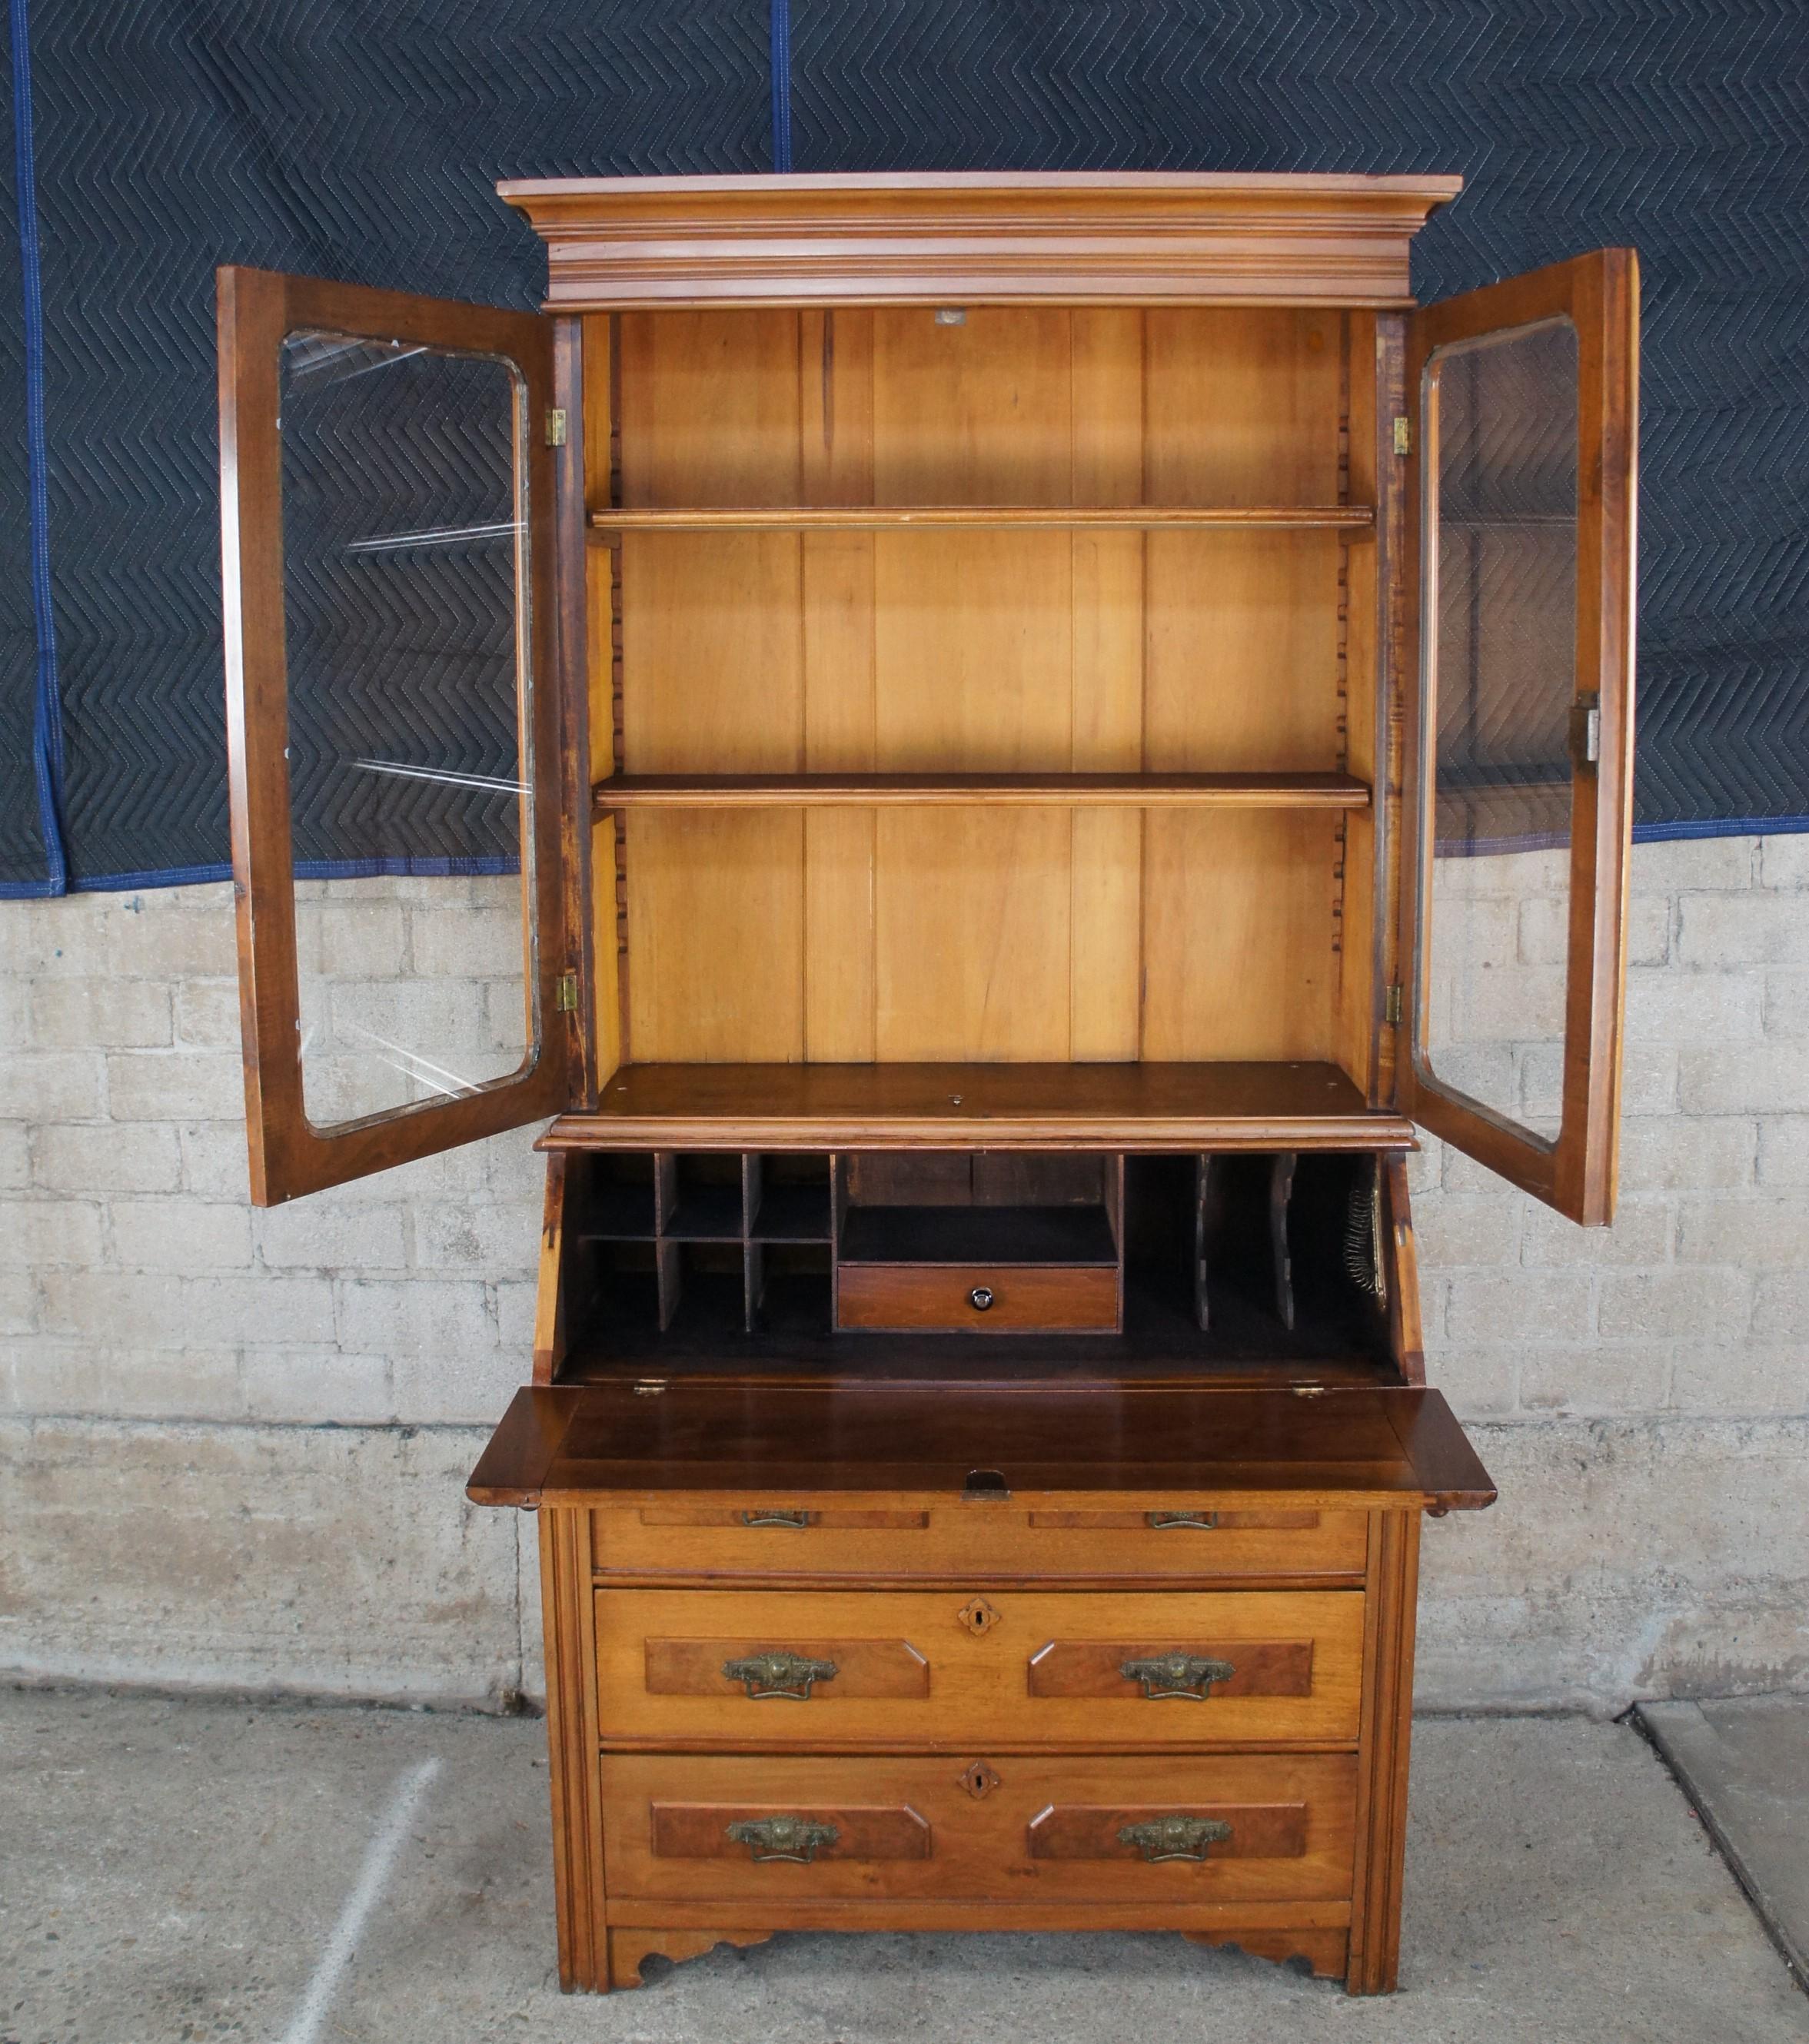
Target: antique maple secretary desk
(985, 747)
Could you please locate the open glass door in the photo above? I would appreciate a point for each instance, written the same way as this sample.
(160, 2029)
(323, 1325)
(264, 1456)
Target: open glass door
(393, 726)
(1520, 759)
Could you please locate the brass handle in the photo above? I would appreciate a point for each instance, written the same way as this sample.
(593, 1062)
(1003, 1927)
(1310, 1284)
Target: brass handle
(798, 1839)
(796, 1521)
(778, 1672)
(1175, 1837)
(1189, 1675)
(981, 1297)
(1167, 1522)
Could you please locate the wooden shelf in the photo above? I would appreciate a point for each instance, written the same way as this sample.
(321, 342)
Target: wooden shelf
(1123, 1107)
(939, 791)
(930, 517)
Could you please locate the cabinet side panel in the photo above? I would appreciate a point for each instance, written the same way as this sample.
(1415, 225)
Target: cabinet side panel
(603, 642)
(1363, 557)
(571, 1749)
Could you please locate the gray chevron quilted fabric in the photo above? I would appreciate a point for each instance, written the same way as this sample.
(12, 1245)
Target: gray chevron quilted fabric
(359, 139)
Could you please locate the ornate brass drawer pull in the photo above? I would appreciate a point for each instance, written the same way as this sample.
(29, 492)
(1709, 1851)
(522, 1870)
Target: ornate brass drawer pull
(1168, 1522)
(1186, 1675)
(798, 1839)
(777, 1672)
(797, 1520)
(1175, 1838)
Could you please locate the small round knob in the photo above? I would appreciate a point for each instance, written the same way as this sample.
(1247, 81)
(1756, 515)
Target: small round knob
(980, 1298)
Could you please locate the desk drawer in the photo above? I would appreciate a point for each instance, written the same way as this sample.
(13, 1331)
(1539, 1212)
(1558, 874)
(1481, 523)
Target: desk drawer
(1018, 1298)
(785, 1668)
(776, 1537)
(1236, 1827)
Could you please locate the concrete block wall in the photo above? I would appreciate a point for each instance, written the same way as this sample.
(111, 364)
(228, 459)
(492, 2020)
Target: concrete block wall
(232, 1442)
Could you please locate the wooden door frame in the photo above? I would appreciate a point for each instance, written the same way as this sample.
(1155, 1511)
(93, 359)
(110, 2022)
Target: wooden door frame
(1599, 294)
(289, 1156)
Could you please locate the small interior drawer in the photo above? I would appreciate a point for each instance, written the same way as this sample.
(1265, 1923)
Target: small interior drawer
(1243, 1827)
(776, 1668)
(976, 1298)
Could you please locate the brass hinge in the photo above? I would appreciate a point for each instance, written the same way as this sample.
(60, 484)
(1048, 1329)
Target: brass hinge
(1391, 1008)
(1586, 728)
(556, 426)
(1404, 435)
(565, 997)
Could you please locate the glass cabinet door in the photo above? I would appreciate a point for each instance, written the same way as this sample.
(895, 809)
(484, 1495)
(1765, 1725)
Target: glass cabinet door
(1519, 783)
(388, 517)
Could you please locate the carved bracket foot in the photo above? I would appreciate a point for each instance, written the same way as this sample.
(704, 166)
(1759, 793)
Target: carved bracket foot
(1326, 1952)
(629, 1949)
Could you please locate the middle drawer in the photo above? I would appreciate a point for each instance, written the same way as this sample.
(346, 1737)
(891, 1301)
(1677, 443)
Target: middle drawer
(772, 1669)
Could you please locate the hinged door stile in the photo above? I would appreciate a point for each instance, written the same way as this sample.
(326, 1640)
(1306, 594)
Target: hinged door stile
(1520, 754)
(394, 717)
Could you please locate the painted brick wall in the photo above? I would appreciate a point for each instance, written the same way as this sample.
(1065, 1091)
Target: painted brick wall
(233, 1440)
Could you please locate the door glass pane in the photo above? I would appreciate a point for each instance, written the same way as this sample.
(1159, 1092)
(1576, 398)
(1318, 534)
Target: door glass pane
(1499, 636)
(405, 607)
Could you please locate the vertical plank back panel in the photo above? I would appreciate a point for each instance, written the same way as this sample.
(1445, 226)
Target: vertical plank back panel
(1242, 672)
(713, 656)
(1107, 846)
(1237, 935)
(972, 662)
(977, 934)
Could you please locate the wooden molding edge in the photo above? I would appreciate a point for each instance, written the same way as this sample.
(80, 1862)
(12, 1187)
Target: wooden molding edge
(987, 237)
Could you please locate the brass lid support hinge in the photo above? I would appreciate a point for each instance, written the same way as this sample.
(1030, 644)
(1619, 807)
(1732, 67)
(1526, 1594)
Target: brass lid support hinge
(1391, 1008)
(1403, 435)
(565, 993)
(556, 426)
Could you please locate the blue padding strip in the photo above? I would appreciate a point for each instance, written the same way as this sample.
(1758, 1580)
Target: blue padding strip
(781, 84)
(47, 720)
(317, 869)
(1721, 827)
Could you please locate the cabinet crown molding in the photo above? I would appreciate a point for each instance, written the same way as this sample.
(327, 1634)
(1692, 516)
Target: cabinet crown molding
(987, 237)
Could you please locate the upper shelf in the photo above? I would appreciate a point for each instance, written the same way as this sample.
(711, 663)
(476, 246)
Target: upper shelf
(892, 518)
(1120, 1107)
(933, 791)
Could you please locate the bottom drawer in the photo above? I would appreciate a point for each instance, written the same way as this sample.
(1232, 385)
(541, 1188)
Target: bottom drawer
(1235, 1828)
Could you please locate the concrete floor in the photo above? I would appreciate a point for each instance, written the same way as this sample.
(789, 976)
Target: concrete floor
(185, 1870)
(1744, 1764)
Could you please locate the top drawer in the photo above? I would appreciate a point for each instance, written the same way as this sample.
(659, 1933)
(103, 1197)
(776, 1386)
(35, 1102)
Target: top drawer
(773, 1539)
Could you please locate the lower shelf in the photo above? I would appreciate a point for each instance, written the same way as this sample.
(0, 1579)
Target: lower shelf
(1294, 1105)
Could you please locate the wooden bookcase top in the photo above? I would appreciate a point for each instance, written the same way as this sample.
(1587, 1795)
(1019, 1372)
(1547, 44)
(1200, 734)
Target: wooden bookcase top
(991, 237)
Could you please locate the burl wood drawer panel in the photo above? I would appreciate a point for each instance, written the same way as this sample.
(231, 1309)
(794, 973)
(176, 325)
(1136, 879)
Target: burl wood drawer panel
(1235, 1828)
(1018, 1298)
(773, 1538)
(1079, 1670)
